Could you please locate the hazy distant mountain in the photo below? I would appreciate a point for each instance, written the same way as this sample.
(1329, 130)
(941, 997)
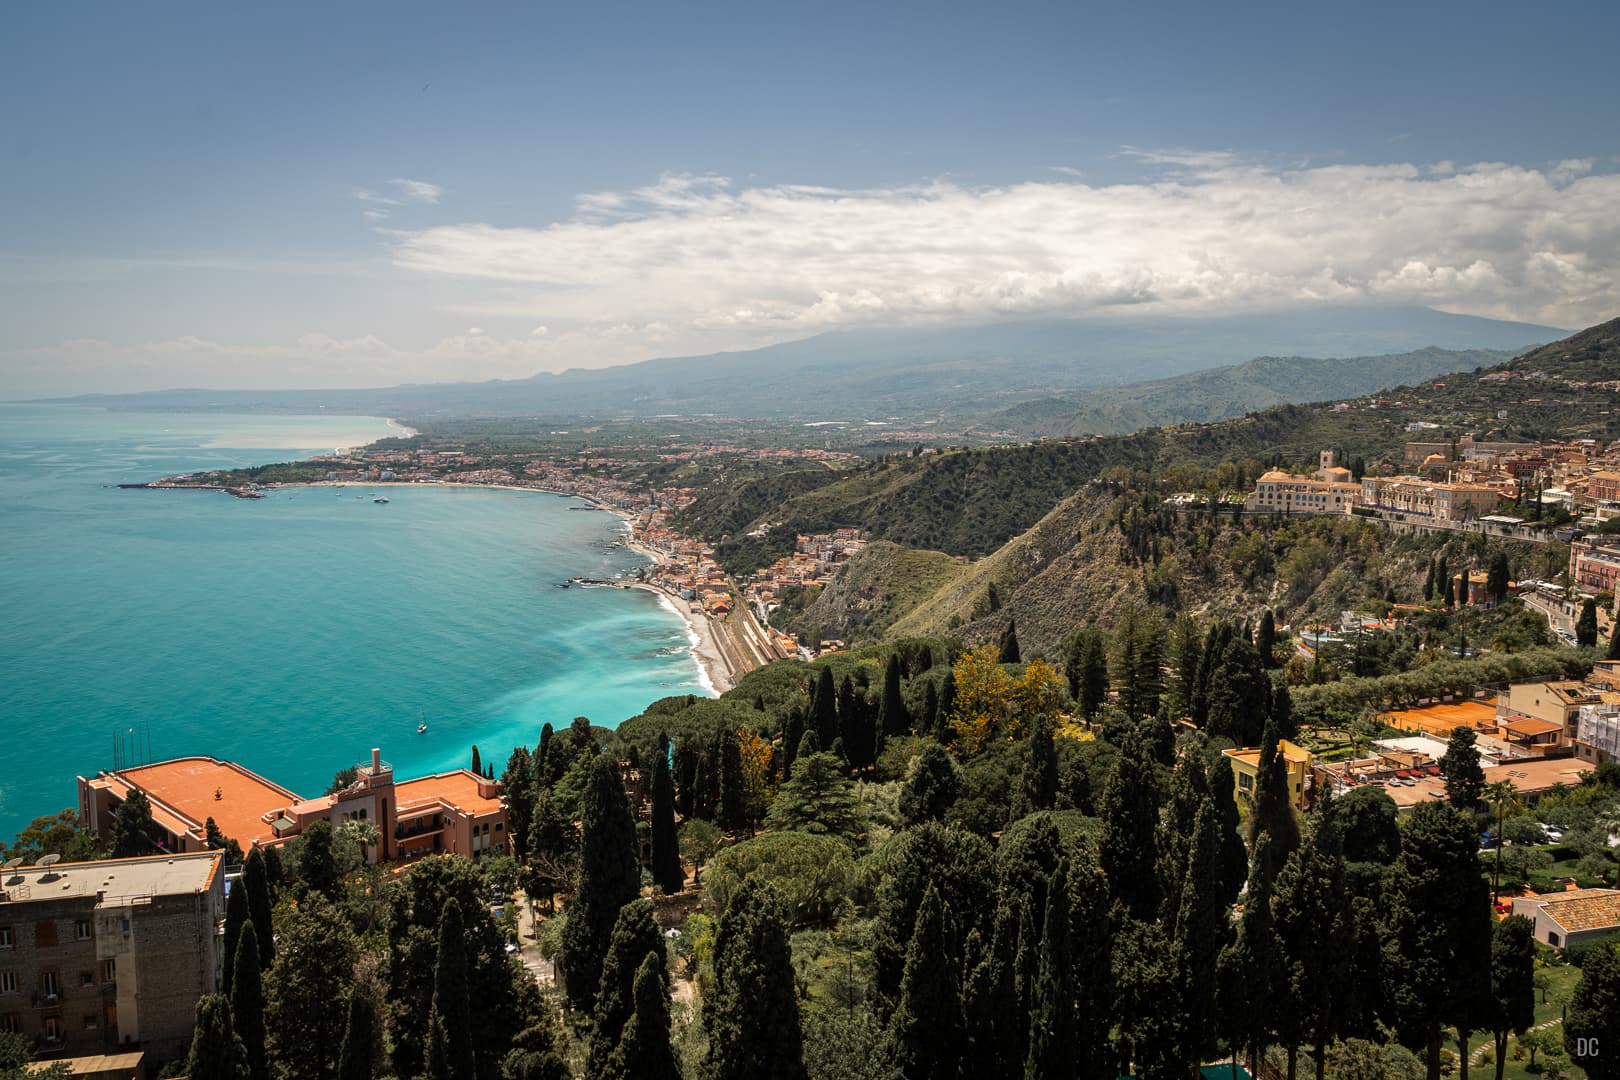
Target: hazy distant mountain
(849, 374)
(1224, 392)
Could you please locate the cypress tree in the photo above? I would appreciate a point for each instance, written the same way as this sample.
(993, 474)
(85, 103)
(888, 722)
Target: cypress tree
(317, 866)
(733, 808)
(451, 1004)
(1593, 1026)
(477, 762)
(1462, 588)
(247, 1002)
(1239, 696)
(1091, 946)
(1496, 579)
(1265, 640)
(255, 881)
(666, 852)
(893, 717)
(824, 706)
(1428, 582)
(927, 1022)
(1128, 849)
(436, 1060)
(1281, 712)
(644, 1052)
(1051, 1005)
(860, 731)
(354, 1063)
(931, 787)
(1233, 864)
(1009, 643)
(1448, 590)
(1250, 969)
(792, 734)
(752, 1013)
(216, 1052)
(1586, 628)
(236, 916)
(1026, 969)
(947, 707)
(609, 878)
(635, 939)
(517, 782)
(1513, 987)
(1201, 927)
(1086, 665)
(1273, 813)
(1038, 785)
(930, 717)
(1315, 932)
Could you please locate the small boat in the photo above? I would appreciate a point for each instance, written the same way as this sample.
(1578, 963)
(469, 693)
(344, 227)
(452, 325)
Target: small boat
(422, 724)
(380, 499)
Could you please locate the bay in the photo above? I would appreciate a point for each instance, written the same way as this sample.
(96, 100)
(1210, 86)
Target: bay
(293, 633)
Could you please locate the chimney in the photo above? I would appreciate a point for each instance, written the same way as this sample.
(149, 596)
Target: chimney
(376, 760)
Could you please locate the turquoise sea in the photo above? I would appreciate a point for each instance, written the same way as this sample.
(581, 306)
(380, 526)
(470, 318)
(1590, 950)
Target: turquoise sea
(293, 633)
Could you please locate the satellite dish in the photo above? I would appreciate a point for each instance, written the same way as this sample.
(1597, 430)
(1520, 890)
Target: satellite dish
(12, 864)
(49, 860)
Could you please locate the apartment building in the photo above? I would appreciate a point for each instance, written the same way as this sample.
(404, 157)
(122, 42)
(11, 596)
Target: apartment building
(100, 956)
(1444, 501)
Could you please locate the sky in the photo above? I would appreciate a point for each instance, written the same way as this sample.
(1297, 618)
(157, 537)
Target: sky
(363, 194)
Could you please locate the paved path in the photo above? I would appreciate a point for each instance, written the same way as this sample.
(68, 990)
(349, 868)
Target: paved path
(1490, 1044)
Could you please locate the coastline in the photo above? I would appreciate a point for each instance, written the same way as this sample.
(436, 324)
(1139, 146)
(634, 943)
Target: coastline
(714, 673)
(404, 432)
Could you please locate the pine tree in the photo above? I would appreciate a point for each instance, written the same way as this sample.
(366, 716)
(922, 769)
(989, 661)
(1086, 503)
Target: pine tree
(927, 1022)
(818, 798)
(247, 1002)
(635, 938)
(216, 1052)
(893, 717)
(131, 831)
(451, 1004)
(214, 840)
(666, 852)
(317, 866)
(1586, 627)
(236, 917)
(1009, 643)
(354, 1063)
(1265, 640)
(255, 882)
(609, 878)
(1086, 665)
(1038, 784)
(751, 1012)
(1051, 1004)
(644, 1051)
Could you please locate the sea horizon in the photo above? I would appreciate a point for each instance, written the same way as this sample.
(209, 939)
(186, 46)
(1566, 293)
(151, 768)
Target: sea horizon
(294, 633)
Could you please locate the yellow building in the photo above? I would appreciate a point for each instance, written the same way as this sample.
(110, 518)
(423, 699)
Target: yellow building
(1246, 772)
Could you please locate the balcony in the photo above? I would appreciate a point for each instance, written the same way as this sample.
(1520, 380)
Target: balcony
(421, 827)
(42, 999)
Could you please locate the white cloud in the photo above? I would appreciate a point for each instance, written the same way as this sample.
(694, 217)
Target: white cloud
(418, 191)
(719, 266)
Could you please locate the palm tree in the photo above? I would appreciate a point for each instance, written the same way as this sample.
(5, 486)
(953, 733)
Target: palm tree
(1501, 794)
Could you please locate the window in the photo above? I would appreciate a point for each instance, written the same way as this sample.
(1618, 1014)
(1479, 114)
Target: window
(45, 933)
(53, 1027)
(91, 1021)
(8, 982)
(10, 1022)
(6, 940)
(82, 930)
(109, 970)
(1245, 781)
(87, 978)
(1552, 939)
(50, 982)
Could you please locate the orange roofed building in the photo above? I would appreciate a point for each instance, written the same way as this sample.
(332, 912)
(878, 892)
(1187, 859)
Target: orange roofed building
(456, 812)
